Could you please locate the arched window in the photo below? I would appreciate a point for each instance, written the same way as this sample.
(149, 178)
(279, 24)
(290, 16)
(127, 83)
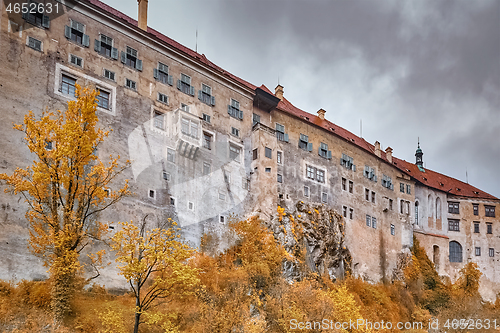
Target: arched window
(416, 212)
(438, 208)
(430, 205)
(435, 256)
(455, 252)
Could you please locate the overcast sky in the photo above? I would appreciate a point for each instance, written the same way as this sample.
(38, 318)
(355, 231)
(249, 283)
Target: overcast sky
(408, 69)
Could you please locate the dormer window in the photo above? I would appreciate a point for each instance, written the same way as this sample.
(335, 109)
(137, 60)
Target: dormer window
(161, 74)
(205, 95)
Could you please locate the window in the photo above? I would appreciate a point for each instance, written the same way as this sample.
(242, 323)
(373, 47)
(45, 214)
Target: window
(162, 98)
(280, 178)
(492, 252)
(151, 194)
(351, 213)
(189, 127)
(68, 85)
(170, 155)
(306, 191)
(489, 228)
(268, 170)
(255, 119)
(222, 219)
(408, 189)
(49, 145)
(455, 252)
(407, 208)
(416, 212)
(206, 118)
(234, 109)
(387, 182)
(401, 187)
(207, 140)
(390, 204)
(347, 162)
(344, 211)
(373, 197)
(206, 168)
(235, 132)
(454, 225)
(368, 221)
(185, 107)
(453, 208)
(374, 222)
(279, 157)
(323, 151)
(35, 16)
(190, 206)
(489, 211)
(172, 201)
(367, 194)
(234, 153)
(245, 184)
(401, 206)
(268, 152)
(103, 99)
(205, 95)
(161, 74)
(280, 133)
(109, 75)
(158, 120)
(166, 175)
(227, 176)
(475, 208)
(75, 32)
(370, 173)
(255, 154)
(129, 58)
(324, 197)
(104, 46)
(344, 182)
(222, 196)
(393, 230)
(77, 61)
(304, 142)
(315, 174)
(476, 227)
(130, 84)
(35, 44)
(184, 85)
(478, 251)
(351, 186)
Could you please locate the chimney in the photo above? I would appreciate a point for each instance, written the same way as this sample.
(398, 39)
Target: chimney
(278, 92)
(143, 14)
(388, 154)
(321, 114)
(377, 149)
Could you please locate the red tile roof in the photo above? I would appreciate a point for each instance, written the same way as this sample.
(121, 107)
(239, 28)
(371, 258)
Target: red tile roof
(428, 178)
(201, 58)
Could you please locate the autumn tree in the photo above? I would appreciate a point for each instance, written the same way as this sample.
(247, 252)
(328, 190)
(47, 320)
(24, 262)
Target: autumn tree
(154, 262)
(65, 187)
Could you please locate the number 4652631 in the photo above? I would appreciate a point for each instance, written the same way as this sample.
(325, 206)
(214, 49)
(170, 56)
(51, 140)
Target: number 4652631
(32, 8)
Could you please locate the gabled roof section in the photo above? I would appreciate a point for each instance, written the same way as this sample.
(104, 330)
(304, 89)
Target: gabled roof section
(200, 58)
(441, 182)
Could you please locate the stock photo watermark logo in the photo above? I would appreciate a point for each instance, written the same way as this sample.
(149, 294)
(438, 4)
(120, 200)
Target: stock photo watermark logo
(38, 14)
(204, 169)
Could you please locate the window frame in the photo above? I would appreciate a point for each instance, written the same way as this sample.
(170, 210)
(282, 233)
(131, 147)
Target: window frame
(237, 158)
(489, 211)
(476, 227)
(453, 225)
(233, 109)
(453, 207)
(455, 255)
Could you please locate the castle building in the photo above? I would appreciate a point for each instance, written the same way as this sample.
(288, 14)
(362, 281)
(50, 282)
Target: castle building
(206, 145)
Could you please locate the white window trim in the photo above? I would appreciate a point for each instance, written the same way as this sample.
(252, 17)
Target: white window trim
(190, 202)
(103, 71)
(154, 194)
(322, 168)
(224, 218)
(169, 176)
(242, 151)
(41, 44)
(158, 98)
(152, 126)
(127, 87)
(218, 196)
(175, 201)
(308, 191)
(166, 154)
(61, 69)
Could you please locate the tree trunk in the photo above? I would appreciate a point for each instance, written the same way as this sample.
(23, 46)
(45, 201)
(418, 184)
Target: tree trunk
(136, 324)
(62, 290)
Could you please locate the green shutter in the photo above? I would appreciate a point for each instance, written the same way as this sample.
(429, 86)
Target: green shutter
(114, 53)
(286, 137)
(213, 100)
(170, 80)
(97, 45)
(46, 22)
(200, 95)
(67, 32)
(329, 154)
(191, 91)
(86, 40)
(179, 84)
(155, 73)
(124, 57)
(309, 146)
(138, 65)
